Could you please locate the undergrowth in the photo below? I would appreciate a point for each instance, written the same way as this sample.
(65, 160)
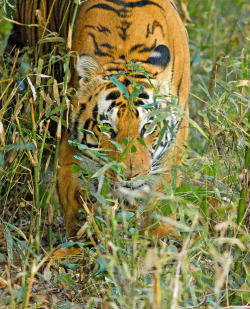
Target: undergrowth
(208, 265)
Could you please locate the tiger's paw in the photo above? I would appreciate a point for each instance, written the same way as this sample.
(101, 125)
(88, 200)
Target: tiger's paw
(164, 230)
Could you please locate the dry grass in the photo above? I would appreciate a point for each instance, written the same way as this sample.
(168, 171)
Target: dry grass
(208, 267)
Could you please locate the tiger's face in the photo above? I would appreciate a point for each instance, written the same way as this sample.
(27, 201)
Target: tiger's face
(99, 104)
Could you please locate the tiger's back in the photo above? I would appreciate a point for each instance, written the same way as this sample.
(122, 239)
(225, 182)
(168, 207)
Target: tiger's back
(131, 30)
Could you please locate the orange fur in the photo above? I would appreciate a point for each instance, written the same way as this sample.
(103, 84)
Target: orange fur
(111, 33)
(115, 34)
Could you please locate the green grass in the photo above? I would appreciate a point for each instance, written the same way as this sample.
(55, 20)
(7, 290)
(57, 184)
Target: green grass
(208, 267)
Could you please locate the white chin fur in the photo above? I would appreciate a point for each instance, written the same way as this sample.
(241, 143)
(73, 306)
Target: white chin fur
(136, 193)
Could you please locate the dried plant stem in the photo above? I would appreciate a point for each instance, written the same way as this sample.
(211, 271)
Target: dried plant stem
(244, 196)
(92, 221)
(36, 180)
(43, 143)
(35, 159)
(245, 183)
(34, 270)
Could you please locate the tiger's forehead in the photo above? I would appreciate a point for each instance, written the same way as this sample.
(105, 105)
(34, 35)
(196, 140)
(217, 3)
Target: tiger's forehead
(111, 100)
(104, 91)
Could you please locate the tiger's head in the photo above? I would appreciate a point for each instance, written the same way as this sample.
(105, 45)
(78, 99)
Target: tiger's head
(105, 99)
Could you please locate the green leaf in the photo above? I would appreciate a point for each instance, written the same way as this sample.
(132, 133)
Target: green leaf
(174, 177)
(101, 262)
(99, 198)
(75, 168)
(101, 220)
(69, 266)
(56, 110)
(125, 141)
(56, 119)
(118, 145)
(66, 279)
(27, 146)
(133, 149)
(161, 134)
(195, 125)
(184, 174)
(145, 178)
(88, 132)
(125, 215)
(16, 229)
(9, 242)
(71, 244)
(102, 170)
(23, 243)
(20, 252)
(120, 85)
(141, 141)
(133, 231)
(82, 159)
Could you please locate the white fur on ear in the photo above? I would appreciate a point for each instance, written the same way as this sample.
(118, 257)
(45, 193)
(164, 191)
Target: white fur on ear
(160, 57)
(87, 66)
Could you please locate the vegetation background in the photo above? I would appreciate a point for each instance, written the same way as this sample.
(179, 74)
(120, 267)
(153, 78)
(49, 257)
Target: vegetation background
(208, 267)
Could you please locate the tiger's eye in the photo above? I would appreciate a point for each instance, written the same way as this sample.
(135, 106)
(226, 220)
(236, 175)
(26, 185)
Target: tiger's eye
(109, 129)
(144, 128)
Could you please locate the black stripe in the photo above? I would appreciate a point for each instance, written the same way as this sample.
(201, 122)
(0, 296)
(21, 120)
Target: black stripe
(90, 145)
(82, 108)
(123, 28)
(113, 95)
(94, 123)
(125, 6)
(112, 105)
(143, 95)
(138, 103)
(178, 88)
(89, 26)
(103, 117)
(98, 52)
(174, 6)
(103, 29)
(139, 76)
(95, 112)
(75, 129)
(86, 127)
(104, 7)
(148, 49)
(107, 45)
(110, 86)
(142, 3)
(136, 113)
(155, 25)
(173, 63)
(135, 47)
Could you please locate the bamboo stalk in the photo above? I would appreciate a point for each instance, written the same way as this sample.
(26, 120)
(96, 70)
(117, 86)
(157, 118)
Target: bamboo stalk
(58, 133)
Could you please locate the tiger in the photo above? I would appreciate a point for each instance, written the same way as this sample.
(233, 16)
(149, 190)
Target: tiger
(109, 38)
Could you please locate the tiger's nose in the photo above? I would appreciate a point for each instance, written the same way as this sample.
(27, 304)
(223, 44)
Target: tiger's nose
(130, 175)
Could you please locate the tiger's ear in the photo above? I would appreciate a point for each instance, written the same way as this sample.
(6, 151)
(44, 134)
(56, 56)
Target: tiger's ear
(87, 67)
(158, 60)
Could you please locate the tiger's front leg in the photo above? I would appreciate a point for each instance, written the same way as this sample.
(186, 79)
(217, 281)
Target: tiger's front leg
(69, 188)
